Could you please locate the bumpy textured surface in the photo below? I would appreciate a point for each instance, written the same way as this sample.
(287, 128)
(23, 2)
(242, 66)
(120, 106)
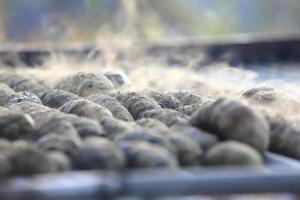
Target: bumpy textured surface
(233, 153)
(25, 96)
(232, 120)
(88, 121)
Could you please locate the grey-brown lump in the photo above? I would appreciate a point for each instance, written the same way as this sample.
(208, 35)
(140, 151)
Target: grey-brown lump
(88, 127)
(56, 125)
(253, 91)
(149, 135)
(85, 84)
(153, 124)
(22, 83)
(232, 120)
(113, 127)
(27, 159)
(136, 103)
(285, 137)
(63, 143)
(203, 139)
(5, 93)
(188, 152)
(113, 105)
(118, 79)
(60, 162)
(166, 116)
(16, 126)
(165, 100)
(57, 98)
(24, 96)
(141, 154)
(98, 153)
(85, 108)
(233, 153)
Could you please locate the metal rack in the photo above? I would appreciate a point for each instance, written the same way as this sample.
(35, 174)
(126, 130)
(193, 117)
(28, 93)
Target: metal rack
(238, 49)
(281, 174)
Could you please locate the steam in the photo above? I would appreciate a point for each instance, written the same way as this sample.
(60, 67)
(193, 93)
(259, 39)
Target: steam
(144, 74)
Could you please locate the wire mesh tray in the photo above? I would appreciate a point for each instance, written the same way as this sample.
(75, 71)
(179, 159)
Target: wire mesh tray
(281, 174)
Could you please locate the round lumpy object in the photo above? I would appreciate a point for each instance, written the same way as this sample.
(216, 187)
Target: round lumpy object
(153, 124)
(59, 161)
(285, 137)
(136, 103)
(20, 83)
(251, 92)
(85, 84)
(57, 98)
(44, 115)
(85, 108)
(189, 109)
(5, 166)
(4, 111)
(24, 96)
(88, 127)
(5, 146)
(147, 135)
(98, 153)
(188, 152)
(90, 87)
(166, 116)
(118, 79)
(141, 154)
(202, 138)
(191, 99)
(19, 144)
(27, 107)
(56, 125)
(27, 159)
(165, 100)
(16, 126)
(114, 127)
(113, 105)
(233, 153)
(267, 96)
(5, 93)
(30, 85)
(62, 143)
(232, 120)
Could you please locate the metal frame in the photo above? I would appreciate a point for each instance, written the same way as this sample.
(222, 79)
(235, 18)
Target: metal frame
(281, 174)
(237, 49)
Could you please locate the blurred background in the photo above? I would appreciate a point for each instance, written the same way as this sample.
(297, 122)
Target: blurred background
(54, 21)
